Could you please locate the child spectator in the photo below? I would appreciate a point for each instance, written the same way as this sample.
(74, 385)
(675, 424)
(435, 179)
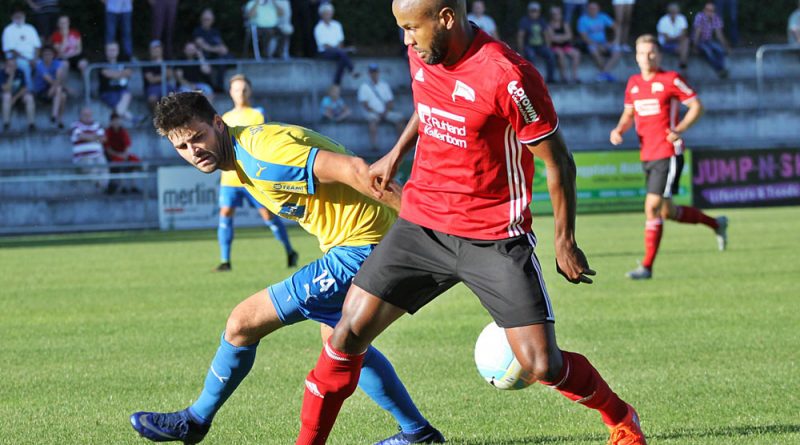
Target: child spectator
(673, 34)
(12, 85)
(117, 146)
(87, 138)
(152, 76)
(709, 39)
(68, 44)
(592, 28)
(560, 35)
(48, 84)
(194, 77)
(483, 21)
(333, 108)
(114, 83)
(532, 39)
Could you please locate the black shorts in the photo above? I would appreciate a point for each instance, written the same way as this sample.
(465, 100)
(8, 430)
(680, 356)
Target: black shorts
(413, 265)
(664, 175)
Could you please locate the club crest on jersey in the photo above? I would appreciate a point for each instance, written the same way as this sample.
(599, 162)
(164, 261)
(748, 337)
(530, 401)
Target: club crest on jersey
(656, 87)
(420, 76)
(464, 91)
(635, 89)
(523, 103)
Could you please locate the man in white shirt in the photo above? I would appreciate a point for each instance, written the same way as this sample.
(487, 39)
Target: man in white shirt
(21, 42)
(484, 22)
(329, 35)
(673, 34)
(377, 101)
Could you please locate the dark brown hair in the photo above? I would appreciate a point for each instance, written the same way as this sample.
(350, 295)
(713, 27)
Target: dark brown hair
(180, 109)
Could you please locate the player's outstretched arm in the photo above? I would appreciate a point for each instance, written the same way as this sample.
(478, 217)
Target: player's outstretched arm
(382, 172)
(332, 167)
(624, 124)
(570, 260)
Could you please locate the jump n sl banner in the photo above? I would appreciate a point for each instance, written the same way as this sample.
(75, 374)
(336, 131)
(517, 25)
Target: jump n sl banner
(746, 178)
(189, 199)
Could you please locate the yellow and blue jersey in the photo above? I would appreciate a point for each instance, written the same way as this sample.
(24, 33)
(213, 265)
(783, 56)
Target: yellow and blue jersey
(240, 118)
(275, 162)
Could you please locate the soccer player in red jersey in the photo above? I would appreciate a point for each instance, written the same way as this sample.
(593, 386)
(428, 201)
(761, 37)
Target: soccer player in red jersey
(652, 101)
(482, 114)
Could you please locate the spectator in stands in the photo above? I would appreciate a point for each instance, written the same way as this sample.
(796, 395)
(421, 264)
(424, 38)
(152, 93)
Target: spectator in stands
(483, 21)
(559, 33)
(68, 44)
(118, 16)
(12, 85)
(114, 83)
(43, 16)
(623, 13)
(709, 39)
(162, 28)
(209, 41)
(592, 28)
(793, 27)
(117, 145)
(728, 12)
(673, 34)
(263, 14)
(87, 138)
(377, 101)
(533, 41)
(573, 8)
(48, 84)
(194, 77)
(333, 108)
(285, 27)
(21, 42)
(329, 35)
(152, 76)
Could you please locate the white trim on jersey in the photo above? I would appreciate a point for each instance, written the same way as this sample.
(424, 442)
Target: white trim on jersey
(535, 261)
(517, 188)
(673, 168)
(674, 108)
(530, 141)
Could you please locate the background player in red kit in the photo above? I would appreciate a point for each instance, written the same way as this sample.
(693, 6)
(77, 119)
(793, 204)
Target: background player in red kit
(651, 101)
(482, 113)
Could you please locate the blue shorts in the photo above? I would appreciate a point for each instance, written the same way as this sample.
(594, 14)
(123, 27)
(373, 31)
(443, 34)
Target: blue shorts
(316, 292)
(235, 196)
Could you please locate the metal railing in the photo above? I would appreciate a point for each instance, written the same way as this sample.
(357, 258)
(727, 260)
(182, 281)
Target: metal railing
(785, 47)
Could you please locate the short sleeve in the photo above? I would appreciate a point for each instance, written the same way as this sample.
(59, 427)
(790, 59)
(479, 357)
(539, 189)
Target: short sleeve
(524, 101)
(363, 93)
(661, 27)
(681, 89)
(277, 161)
(582, 25)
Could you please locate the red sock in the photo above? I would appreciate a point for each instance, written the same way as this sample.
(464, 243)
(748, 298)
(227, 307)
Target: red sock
(653, 229)
(332, 381)
(581, 383)
(693, 215)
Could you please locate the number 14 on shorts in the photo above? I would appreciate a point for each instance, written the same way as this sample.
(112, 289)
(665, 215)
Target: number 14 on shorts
(323, 280)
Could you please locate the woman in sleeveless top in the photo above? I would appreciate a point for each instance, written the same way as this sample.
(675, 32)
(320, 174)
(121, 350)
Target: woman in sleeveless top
(560, 36)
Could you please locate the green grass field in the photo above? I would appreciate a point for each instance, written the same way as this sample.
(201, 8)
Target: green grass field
(96, 326)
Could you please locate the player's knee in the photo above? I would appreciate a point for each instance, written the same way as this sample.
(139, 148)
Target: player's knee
(540, 366)
(240, 328)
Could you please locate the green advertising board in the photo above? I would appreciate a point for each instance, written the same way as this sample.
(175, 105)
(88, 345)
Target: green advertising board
(608, 181)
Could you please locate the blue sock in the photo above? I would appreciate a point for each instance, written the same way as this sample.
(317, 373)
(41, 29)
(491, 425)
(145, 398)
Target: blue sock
(381, 383)
(279, 230)
(225, 238)
(229, 367)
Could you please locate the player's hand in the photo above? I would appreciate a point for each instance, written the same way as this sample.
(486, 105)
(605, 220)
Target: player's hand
(615, 137)
(571, 263)
(382, 172)
(673, 136)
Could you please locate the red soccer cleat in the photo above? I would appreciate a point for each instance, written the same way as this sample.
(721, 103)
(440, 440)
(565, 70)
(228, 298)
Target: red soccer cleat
(627, 432)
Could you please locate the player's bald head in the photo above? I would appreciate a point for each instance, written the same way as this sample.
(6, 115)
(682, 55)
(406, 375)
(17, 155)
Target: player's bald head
(431, 8)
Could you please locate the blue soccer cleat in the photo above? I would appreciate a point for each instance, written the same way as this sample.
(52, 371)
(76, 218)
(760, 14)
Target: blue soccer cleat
(169, 427)
(429, 434)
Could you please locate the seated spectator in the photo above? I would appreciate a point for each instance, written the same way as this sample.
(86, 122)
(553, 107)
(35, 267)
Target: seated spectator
(12, 85)
(673, 34)
(333, 108)
(592, 28)
(532, 39)
(623, 13)
(329, 35)
(709, 39)
(377, 101)
(21, 42)
(69, 44)
(484, 22)
(209, 41)
(194, 77)
(43, 16)
(114, 83)
(87, 138)
(48, 84)
(559, 33)
(793, 27)
(263, 16)
(116, 145)
(152, 76)
(573, 8)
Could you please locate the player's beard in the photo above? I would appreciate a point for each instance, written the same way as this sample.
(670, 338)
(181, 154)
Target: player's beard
(438, 51)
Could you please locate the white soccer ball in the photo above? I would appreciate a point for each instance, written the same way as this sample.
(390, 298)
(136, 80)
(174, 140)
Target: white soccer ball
(495, 360)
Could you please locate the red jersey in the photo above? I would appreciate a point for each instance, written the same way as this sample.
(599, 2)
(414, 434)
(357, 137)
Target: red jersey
(655, 104)
(472, 175)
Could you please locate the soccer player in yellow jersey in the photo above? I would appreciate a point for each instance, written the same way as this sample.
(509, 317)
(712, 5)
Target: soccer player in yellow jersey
(232, 192)
(307, 177)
